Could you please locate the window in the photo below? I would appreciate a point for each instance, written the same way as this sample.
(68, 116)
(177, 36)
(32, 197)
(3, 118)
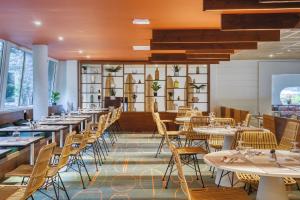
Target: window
(14, 77)
(51, 77)
(1, 53)
(290, 96)
(27, 81)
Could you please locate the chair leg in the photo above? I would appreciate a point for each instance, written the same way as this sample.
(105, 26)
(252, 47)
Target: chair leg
(83, 164)
(95, 158)
(169, 164)
(63, 186)
(171, 170)
(160, 146)
(196, 169)
(79, 171)
(197, 165)
(154, 131)
(54, 188)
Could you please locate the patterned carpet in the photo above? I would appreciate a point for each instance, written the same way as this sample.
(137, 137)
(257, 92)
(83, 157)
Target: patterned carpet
(130, 172)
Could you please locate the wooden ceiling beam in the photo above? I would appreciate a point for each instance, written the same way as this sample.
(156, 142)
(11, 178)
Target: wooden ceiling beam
(210, 51)
(260, 21)
(199, 46)
(181, 56)
(183, 61)
(213, 35)
(240, 5)
(278, 1)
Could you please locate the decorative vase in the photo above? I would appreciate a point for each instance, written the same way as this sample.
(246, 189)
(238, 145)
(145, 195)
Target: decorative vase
(156, 74)
(92, 98)
(155, 106)
(198, 90)
(197, 70)
(176, 84)
(155, 94)
(176, 73)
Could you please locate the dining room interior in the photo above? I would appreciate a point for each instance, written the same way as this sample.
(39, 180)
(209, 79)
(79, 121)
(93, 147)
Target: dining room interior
(129, 99)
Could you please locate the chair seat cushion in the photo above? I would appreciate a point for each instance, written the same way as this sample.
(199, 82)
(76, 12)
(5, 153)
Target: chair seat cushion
(22, 170)
(191, 150)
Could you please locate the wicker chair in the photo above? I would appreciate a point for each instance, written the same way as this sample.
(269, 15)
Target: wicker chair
(259, 140)
(36, 180)
(289, 135)
(205, 193)
(189, 154)
(247, 120)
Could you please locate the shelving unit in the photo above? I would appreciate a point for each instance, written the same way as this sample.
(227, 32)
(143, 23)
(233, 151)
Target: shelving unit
(139, 85)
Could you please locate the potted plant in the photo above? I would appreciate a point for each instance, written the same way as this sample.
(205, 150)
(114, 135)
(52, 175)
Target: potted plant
(113, 69)
(112, 94)
(198, 87)
(176, 69)
(55, 96)
(155, 87)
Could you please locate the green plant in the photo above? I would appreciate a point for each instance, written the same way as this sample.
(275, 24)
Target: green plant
(155, 86)
(198, 87)
(176, 68)
(55, 96)
(113, 69)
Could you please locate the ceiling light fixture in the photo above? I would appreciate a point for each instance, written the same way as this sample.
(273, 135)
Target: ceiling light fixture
(141, 21)
(271, 55)
(88, 56)
(60, 38)
(37, 23)
(80, 51)
(141, 48)
(289, 50)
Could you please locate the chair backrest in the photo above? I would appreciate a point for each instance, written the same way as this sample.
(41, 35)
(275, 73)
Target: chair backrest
(108, 118)
(40, 170)
(259, 139)
(197, 122)
(182, 110)
(181, 177)
(225, 121)
(289, 135)
(158, 124)
(66, 150)
(101, 125)
(247, 120)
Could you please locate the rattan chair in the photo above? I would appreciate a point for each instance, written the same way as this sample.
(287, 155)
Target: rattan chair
(166, 121)
(205, 193)
(259, 140)
(247, 120)
(188, 154)
(36, 180)
(289, 135)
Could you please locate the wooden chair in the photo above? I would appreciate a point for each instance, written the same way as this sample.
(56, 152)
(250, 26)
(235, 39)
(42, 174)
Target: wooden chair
(189, 155)
(36, 180)
(289, 135)
(259, 140)
(247, 120)
(205, 193)
(172, 134)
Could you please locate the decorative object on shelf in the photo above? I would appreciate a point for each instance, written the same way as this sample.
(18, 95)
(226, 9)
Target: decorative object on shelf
(198, 87)
(156, 74)
(194, 81)
(148, 93)
(84, 68)
(178, 98)
(197, 70)
(92, 89)
(93, 79)
(195, 99)
(176, 84)
(55, 96)
(113, 94)
(113, 69)
(129, 91)
(176, 69)
(134, 97)
(109, 83)
(92, 98)
(170, 95)
(155, 87)
(99, 96)
(140, 82)
(189, 94)
(155, 106)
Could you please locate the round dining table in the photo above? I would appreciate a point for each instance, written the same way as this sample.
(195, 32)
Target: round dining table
(259, 162)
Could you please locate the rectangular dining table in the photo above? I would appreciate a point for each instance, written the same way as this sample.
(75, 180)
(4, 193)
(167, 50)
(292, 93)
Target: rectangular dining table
(4, 152)
(7, 142)
(40, 128)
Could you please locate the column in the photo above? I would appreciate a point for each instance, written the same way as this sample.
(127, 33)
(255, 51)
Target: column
(40, 81)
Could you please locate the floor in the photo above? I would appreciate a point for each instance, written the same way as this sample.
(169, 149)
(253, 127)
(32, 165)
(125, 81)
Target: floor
(130, 172)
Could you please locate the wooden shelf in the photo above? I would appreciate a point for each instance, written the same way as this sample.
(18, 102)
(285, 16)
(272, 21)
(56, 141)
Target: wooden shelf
(176, 88)
(92, 83)
(156, 80)
(197, 102)
(113, 76)
(155, 96)
(91, 73)
(177, 76)
(195, 73)
(176, 100)
(134, 73)
(113, 88)
(134, 83)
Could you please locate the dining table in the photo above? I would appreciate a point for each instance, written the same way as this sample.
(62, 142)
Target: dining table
(6, 142)
(54, 129)
(93, 112)
(262, 163)
(229, 136)
(4, 152)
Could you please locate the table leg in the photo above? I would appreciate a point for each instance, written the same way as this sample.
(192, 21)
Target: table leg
(85, 123)
(271, 188)
(70, 128)
(53, 137)
(61, 138)
(31, 152)
(81, 126)
(93, 118)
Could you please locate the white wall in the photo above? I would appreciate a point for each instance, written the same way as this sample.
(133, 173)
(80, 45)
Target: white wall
(67, 84)
(247, 84)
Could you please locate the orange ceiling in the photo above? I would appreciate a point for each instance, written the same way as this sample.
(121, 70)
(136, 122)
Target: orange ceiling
(103, 29)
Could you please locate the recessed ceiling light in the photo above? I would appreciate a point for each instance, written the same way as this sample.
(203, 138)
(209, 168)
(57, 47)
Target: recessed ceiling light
(80, 51)
(289, 50)
(141, 48)
(141, 21)
(88, 56)
(271, 55)
(37, 23)
(60, 38)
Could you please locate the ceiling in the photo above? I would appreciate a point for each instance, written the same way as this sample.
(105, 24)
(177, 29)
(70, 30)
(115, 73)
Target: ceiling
(103, 29)
(287, 48)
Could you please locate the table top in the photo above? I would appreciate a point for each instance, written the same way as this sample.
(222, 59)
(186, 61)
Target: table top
(287, 164)
(40, 128)
(18, 141)
(3, 152)
(216, 131)
(183, 119)
(60, 122)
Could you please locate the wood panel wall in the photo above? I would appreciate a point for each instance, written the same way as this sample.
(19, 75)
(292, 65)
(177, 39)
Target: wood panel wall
(238, 115)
